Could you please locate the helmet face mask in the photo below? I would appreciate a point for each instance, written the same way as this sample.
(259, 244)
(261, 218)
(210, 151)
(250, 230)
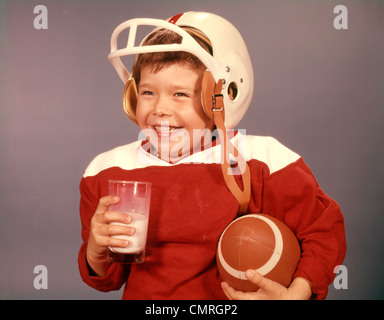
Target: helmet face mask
(230, 60)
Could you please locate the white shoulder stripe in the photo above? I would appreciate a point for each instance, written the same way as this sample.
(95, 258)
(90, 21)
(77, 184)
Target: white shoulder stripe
(270, 151)
(123, 157)
(131, 156)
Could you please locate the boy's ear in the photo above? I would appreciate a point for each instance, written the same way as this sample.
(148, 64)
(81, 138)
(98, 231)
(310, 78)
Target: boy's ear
(130, 97)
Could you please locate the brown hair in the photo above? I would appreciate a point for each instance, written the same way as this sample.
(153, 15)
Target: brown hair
(160, 60)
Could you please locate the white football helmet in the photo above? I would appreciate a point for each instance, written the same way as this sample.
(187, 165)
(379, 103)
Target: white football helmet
(230, 60)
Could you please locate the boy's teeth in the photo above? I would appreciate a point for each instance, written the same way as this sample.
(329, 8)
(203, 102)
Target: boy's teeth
(164, 128)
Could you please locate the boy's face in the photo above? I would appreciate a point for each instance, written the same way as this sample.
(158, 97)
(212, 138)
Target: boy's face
(169, 104)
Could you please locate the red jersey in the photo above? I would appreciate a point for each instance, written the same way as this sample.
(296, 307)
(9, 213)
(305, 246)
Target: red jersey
(191, 206)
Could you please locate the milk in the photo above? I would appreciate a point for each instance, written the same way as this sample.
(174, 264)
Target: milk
(138, 240)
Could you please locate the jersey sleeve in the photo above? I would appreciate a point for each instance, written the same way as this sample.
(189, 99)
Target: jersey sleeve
(117, 273)
(293, 195)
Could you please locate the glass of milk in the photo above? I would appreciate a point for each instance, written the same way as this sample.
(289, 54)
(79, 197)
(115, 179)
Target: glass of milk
(135, 198)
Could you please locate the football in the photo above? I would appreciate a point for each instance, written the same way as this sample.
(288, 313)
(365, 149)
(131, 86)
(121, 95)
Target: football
(258, 242)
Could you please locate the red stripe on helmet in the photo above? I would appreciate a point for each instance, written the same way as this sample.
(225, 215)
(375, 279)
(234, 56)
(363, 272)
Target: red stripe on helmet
(175, 18)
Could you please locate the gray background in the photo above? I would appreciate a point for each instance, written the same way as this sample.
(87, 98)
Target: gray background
(317, 89)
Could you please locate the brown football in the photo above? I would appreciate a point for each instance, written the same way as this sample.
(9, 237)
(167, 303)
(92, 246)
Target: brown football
(258, 242)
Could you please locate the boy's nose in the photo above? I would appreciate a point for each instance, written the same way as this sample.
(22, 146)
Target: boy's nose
(161, 108)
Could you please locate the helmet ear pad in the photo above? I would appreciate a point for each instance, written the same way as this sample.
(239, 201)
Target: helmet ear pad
(209, 90)
(130, 97)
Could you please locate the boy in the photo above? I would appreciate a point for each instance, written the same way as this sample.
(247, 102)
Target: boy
(168, 96)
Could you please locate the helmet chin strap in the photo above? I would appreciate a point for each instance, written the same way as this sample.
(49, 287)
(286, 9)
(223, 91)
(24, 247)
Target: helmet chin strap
(213, 104)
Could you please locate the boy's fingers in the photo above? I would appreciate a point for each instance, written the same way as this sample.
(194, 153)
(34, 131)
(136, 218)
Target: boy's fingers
(256, 278)
(232, 294)
(228, 290)
(105, 202)
(115, 229)
(114, 242)
(105, 241)
(115, 216)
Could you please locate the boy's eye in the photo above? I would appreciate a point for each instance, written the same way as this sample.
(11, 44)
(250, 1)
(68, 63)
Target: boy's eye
(146, 92)
(180, 94)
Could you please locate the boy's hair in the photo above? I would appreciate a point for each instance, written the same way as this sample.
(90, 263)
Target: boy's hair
(159, 60)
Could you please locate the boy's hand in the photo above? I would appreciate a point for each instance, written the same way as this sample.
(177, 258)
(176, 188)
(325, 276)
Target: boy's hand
(300, 288)
(101, 231)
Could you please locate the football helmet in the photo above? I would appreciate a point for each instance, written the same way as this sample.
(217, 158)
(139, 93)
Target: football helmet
(230, 61)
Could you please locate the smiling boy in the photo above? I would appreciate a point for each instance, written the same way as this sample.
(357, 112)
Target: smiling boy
(169, 102)
(191, 203)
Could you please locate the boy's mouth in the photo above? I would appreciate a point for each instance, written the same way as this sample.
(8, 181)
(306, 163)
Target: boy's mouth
(165, 130)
